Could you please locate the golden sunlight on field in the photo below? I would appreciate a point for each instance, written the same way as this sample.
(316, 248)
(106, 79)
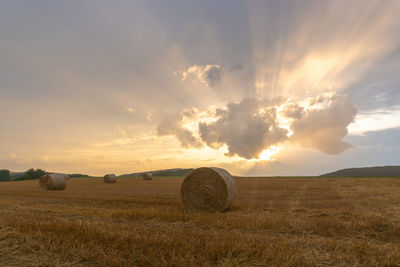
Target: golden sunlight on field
(274, 221)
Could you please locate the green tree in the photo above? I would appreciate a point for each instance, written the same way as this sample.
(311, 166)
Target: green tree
(32, 174)
(4, 175)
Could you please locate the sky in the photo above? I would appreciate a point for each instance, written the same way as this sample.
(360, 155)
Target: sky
(256, 87)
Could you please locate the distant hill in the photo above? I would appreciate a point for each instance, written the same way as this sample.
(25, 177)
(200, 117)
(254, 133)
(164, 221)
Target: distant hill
(382, 171)
(168, 172)
(77, 175)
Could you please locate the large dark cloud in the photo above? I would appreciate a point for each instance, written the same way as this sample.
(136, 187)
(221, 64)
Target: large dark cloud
(250, 126)
(244, 128)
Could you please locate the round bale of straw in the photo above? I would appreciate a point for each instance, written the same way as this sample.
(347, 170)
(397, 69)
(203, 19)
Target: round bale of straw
(54, 181)
(208, 189)
(147, 176)
(110, 178)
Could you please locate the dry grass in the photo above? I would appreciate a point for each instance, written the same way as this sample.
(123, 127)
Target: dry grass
(273, 222)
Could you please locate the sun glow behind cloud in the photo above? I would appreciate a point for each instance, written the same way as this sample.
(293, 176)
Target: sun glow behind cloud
(268, 153)
(243, 129)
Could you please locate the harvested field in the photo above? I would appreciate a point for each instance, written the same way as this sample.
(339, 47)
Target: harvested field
(273, 222)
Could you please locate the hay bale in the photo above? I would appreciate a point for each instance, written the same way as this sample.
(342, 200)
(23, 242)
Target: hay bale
(208, 189)
(54, 181)
(147, 176)
(110, 178)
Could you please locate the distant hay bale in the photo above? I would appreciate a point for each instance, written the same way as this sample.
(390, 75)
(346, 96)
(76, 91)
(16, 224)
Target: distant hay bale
(54, 181)
(147, 177)
(110, 178)
(208, 189)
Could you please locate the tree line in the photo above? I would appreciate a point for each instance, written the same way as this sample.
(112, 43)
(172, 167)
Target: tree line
(31, 174)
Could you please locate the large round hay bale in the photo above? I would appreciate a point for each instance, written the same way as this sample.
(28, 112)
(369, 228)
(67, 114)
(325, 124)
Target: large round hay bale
(147, 176)
(208, 189)
(110, 178)
(54, 181)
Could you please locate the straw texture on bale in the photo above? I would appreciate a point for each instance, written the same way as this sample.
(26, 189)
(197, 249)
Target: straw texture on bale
(54, 181)
(208, 189)
(110, 178)
(147, 176)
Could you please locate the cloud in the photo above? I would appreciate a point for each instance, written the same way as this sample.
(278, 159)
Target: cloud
(173, 125)
(293, 111)
(249, 127)
(209, 75)
(244, 129)
(324, 128)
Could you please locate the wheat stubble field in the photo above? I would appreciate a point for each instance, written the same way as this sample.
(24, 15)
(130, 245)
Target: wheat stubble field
(273, 222)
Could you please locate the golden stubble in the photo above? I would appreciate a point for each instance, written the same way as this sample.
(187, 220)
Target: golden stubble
(279, 222)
